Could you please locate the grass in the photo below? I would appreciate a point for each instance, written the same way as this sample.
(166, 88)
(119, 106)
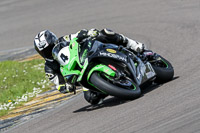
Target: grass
(20, 79)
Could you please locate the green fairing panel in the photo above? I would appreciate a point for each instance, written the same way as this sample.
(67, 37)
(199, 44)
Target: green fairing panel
(66, 72)
(83, 70)
(101, 68)
(73, 61)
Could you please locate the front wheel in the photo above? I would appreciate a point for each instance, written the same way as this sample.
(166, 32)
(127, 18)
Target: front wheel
(114, 90)
(164, 70)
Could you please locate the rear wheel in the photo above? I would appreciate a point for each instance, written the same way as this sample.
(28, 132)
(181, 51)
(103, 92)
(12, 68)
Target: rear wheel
(107, 87)
(164, 70)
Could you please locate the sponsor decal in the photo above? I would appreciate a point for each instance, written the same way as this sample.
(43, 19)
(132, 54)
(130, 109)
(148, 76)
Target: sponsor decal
(111, 51)
(112, 56)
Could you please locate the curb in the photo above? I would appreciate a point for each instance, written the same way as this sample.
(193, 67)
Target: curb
(39, 104)
(42, 102)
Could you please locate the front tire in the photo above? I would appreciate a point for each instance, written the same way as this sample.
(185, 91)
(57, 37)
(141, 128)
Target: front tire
(114, 90)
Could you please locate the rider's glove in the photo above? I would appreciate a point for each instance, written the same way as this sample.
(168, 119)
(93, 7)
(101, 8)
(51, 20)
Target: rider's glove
(93, 33)
(82, 35)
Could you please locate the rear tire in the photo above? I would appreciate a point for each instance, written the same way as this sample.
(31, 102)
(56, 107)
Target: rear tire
(163, 74)
(113, 90)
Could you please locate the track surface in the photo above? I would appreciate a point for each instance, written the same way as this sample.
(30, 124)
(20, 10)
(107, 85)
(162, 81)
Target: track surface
(172, 28)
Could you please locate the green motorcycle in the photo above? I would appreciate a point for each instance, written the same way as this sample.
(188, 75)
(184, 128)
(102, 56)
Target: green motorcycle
(110, 69)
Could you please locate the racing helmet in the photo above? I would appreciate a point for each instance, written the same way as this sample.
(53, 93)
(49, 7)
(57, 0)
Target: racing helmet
(44, 43)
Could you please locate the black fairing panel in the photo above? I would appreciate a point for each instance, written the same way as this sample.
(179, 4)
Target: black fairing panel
(109, 51)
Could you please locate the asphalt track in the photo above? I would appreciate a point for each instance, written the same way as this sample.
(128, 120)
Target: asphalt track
(169, 27)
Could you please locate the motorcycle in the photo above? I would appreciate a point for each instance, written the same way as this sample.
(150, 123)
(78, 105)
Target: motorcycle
(110, 69)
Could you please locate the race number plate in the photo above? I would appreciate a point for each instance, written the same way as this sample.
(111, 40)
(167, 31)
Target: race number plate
(64, 56)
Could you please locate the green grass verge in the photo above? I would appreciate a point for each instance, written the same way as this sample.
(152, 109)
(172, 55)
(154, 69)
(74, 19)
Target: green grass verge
(19, 78)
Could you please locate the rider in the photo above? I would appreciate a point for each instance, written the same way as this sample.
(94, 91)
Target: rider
(46, 40)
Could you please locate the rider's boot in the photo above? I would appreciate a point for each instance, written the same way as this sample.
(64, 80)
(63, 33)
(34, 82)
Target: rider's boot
(135, 46)
(93, 97)
(139, 49)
